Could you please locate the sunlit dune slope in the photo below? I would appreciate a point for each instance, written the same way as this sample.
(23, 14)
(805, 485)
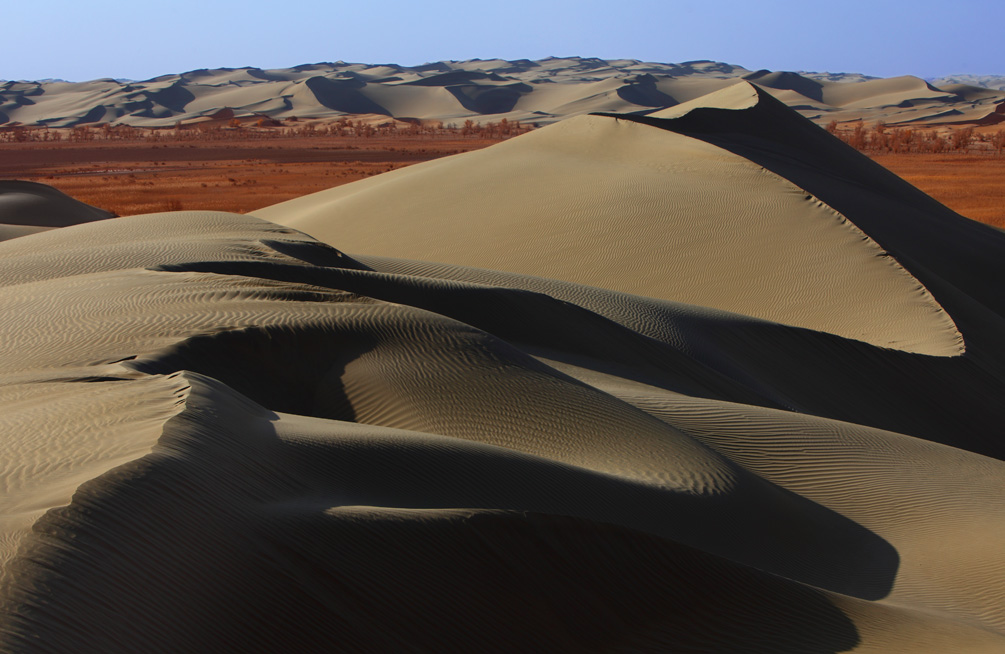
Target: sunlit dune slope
(608, 202)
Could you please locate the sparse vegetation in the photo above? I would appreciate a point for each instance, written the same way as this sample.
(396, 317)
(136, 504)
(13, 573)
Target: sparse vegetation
(960, 165)
(264, 128)
(881, 138)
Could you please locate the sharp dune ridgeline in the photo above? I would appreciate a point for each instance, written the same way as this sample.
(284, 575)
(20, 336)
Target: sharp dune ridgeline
(539, 92)
(701, 380)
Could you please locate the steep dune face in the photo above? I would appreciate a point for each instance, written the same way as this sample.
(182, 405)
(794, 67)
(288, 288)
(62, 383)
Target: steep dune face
(918, 231)
(220, 433)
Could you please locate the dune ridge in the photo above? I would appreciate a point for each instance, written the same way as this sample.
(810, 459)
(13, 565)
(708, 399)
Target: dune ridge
(694, 381)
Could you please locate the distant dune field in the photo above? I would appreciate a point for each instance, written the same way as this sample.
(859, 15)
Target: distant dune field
(542, 92)
(701, 380)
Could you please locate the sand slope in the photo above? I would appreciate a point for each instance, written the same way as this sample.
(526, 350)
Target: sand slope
(542, 91)
(219, 433)
(610, 203)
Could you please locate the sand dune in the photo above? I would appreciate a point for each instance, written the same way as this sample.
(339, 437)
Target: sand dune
(685, 210)
(705, 380)
(36, 205)
(542, 92)
(29, 208)
(994, 82)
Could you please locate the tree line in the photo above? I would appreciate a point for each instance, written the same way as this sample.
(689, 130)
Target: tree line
(266, 128)
(880, 137)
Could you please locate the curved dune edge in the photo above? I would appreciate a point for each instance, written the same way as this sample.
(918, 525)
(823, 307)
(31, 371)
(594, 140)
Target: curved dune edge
(45, 456)
(824, 459)
(254, 499)
(268, 444)
(736, 97)
(958, 257)
(619, 205)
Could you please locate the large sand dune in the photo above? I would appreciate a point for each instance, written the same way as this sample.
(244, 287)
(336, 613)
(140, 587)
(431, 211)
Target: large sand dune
(705, 381)
(541, 91)
(606, 202)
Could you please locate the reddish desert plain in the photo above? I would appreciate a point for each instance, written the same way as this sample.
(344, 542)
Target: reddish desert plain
(701, 378)
(971, 185)
(223, 169)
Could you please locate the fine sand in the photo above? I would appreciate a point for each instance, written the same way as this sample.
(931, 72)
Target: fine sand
(706, 381)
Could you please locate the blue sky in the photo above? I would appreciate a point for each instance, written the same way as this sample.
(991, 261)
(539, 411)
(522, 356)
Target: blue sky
(77, 40)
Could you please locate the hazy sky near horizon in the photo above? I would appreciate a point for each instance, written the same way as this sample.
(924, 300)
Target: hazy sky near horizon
(80, 41)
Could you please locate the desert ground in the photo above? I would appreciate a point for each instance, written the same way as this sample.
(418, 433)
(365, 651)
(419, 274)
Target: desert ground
(699, 379)
(971, 185)
(240, 173)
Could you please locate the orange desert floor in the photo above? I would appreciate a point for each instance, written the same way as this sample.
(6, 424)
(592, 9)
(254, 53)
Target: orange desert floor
(137, 177)
(971, 185)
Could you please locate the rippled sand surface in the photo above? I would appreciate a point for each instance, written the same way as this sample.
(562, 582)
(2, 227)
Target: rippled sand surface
(707, 381)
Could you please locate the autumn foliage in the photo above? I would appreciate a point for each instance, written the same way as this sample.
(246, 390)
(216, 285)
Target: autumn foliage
(881, 138)
(264, 128)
